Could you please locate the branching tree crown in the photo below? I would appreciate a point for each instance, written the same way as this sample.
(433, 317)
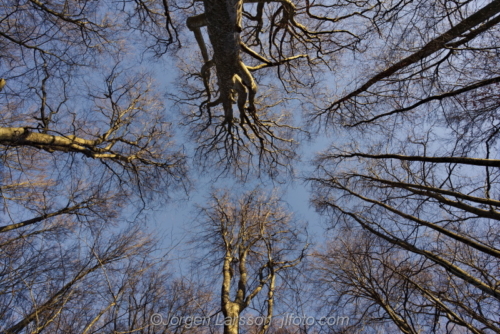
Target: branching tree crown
(286, 43)
(420, 169)
(85, 147)
(252, 239)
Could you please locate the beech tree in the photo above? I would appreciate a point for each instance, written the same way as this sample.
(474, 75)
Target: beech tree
(252, 240)
(384, 288)
(418, 168)
(68, 279)
(267, 57)
(86, 141)
(85, 148)
(82, 130)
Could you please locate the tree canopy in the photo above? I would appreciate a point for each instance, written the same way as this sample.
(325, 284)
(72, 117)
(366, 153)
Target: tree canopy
(97, 128)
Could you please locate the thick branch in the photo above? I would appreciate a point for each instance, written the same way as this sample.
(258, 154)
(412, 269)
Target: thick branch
(51, 143)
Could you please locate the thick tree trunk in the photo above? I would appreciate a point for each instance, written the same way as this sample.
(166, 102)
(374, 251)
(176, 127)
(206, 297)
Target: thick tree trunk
(223, 31)
(223, 19)
(231, 313)
(231, 310)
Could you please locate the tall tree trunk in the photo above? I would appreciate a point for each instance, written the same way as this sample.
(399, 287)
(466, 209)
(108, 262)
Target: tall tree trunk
(231, 322)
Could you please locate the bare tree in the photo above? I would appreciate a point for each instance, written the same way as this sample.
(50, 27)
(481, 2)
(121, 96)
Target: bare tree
(45, 276)
(69, 279)
(80, 124)
(418, 169)
(252, 240)
(85, 142)
(85, 147)
(255, 51)
(385, 288)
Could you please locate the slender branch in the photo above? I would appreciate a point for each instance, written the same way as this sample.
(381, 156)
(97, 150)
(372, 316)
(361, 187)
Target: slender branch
(438, 43)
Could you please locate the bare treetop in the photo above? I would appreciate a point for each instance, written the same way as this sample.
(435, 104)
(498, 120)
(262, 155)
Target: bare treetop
(288, 44)
(253, 239)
